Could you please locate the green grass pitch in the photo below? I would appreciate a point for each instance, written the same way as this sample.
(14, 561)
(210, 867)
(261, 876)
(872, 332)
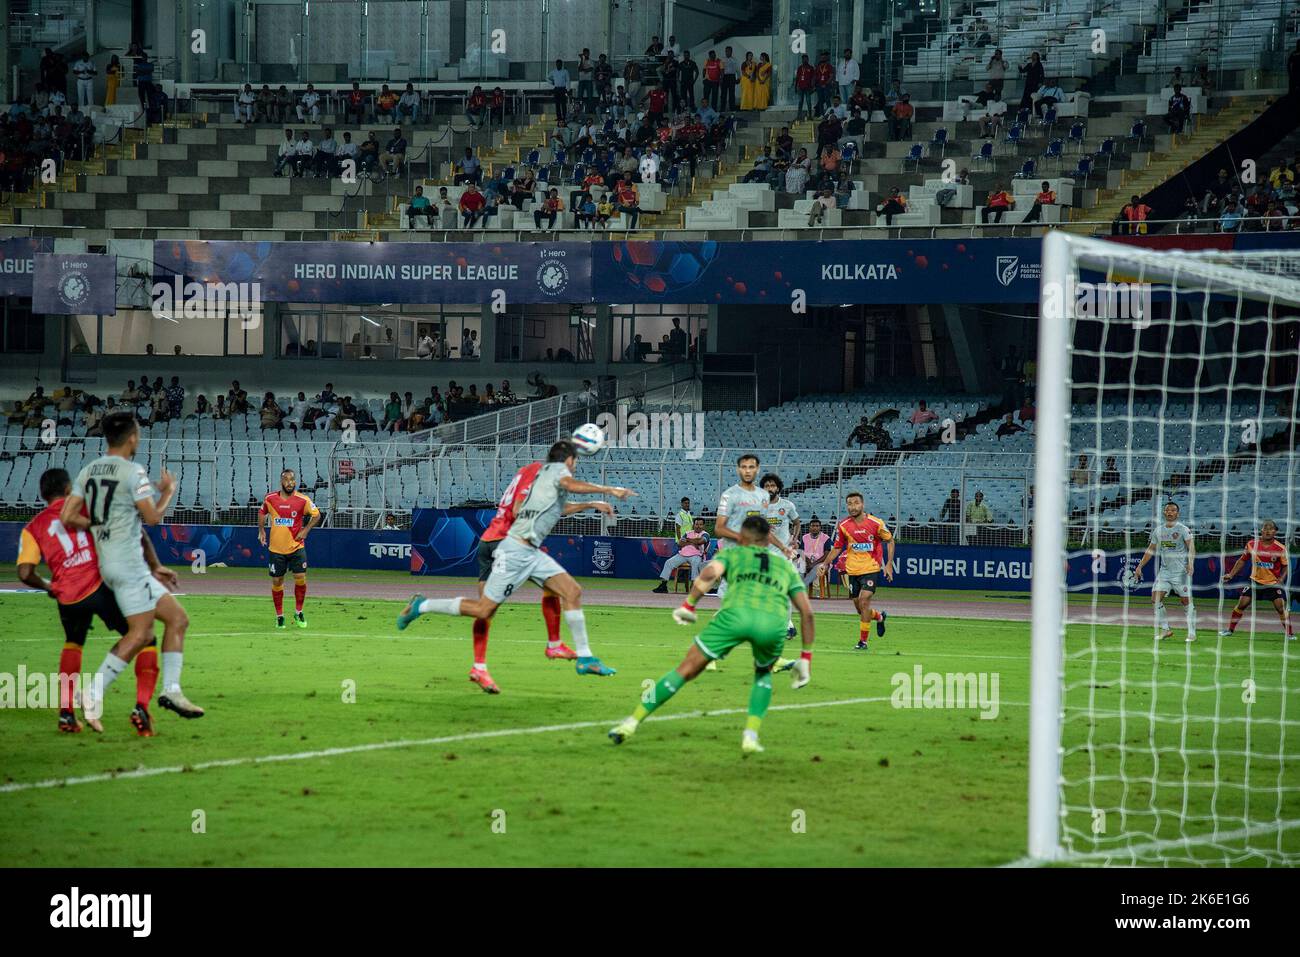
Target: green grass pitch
(847, 778)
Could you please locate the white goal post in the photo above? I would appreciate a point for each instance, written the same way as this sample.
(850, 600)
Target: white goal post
(1163, 377)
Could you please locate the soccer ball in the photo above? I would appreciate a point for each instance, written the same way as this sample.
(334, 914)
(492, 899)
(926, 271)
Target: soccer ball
(589, 438)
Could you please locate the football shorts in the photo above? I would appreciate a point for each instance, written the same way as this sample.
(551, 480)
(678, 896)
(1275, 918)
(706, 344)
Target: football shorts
(77, 617)
(514, 564)
(763, 631)
(280, 565)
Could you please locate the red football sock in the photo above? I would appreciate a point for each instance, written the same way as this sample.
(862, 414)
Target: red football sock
(551, 614)
(480, 642)
(1236, 617)
(875, 614)
(277, 596)
(864, 630)
(299, 594)
(69, 664)
(146, 676)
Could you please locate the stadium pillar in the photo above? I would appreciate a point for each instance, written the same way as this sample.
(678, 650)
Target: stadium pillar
(859, 33)
(602, 336)
(5, 92)
(783, 57)
(963, 333)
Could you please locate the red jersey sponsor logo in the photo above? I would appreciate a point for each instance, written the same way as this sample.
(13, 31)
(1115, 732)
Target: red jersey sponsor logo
(511, 499)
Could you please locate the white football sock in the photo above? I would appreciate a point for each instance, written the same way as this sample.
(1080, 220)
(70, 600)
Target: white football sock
(577, 623)
(1162, 620)
(111, 667)
(171, 671)
(1191, 617)
(439, 606)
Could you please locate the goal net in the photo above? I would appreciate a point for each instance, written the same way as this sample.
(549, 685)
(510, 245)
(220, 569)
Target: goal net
(1165, 377)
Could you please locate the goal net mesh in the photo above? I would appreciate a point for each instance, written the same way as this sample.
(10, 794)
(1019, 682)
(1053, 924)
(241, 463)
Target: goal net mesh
(1182, 381)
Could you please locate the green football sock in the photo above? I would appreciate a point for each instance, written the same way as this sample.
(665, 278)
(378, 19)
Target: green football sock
(664, 688)
(759, 699)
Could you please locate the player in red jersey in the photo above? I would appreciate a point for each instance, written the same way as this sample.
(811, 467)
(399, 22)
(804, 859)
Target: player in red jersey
(1268, 571)
(493, 536)
(284, 511)
(863, 538)
(75, 584)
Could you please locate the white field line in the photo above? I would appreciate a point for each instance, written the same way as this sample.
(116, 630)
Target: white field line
(143, 772)
(1129, 855)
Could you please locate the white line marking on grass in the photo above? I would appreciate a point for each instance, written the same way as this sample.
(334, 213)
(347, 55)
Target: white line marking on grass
(143, 772)
(1130, 853)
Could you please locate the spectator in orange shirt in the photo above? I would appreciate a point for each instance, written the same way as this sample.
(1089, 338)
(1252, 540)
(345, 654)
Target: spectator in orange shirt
(894, 204)
(354, 104)
(551, 207)
(998, 203)
(1046, 197)
(386, 105)
(900, 118)
(1135, 213)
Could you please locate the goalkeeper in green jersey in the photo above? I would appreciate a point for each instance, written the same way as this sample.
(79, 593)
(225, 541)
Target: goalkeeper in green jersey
(755, 610)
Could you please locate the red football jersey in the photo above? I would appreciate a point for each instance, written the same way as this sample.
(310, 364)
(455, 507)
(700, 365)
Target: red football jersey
(1268, 562)
(69, 553)
(515, 493)
(863, 542)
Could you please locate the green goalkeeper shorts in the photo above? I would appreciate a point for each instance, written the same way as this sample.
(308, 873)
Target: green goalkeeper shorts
(730, 627)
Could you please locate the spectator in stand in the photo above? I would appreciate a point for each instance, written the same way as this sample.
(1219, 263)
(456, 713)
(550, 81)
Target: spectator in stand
(476, 107)
(603, 76)
(1032, 70)
(1045, 197)
(112, 79)
(763, 82)
(893, 204)
(386, 105)
(159, 410)
(244, 103)
(303, 153)
(656, 103)
(730, 80)
(1027, 412)
(394, 155)
(922, 414)
(468, 343)
(824, 201)
(468, 169)
(977, 512)
(348, 151)
(900, 118)
(1180, 108)
(1081, 475)
(550, 208)
(326, 158)
(829, 160)
(805, 85)
(688, 71)
(560, 89)
(270, 415)
(282, 105)
(201, 408)
(846, 74)
(522, 187)
(1008, 427)
(175, 398)
(1049, 95)
(829, 130)
(1135, 213)
(632, 80)
(997, 73)
(392, 413)
(1274, 216)
(814, 545)
(408, 105)
(297, 412)
(748, 73)
(825, 76)
(604, 210)
(626, 201)
(419, 206)
(309, 105)
(762, 167)
(949, 192)
(998, 203)
(354, 105)
(264, 107)
(586, 81)
(856, 127)
(1230, 219)
(691, 550)
(143, 72)
(497, 105)
(798, 173)
(1217, 193)
(1110, 474)
(472, 206)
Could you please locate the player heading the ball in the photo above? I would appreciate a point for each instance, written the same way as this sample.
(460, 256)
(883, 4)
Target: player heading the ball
(520, 557)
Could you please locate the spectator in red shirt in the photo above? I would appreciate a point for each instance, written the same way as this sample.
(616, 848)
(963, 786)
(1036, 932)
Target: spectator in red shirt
(497, 103)
(551, 207)
(713, 79)
(656, 102)
(900, 118)
(476, 107)
(626, 202)
(825, 82)
(805, 84)
(354, 104)
(1046, 197)
(998, 203)
(1135, 214)
(472, 206)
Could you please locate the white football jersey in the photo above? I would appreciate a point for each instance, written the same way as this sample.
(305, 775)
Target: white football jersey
(736, 505)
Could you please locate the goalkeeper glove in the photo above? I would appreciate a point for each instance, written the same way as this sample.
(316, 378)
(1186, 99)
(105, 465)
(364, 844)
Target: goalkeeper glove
(685, 615)
(802, 672)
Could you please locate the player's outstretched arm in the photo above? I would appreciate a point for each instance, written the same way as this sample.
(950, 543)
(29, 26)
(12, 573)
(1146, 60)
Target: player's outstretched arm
(572, 508)
(1232, 573)
(70, 515)
(578, 487)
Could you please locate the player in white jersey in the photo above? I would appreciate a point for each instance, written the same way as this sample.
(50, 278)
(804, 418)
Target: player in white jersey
(1174, 548)
(738, 503)
(520, 558)
(783, 518)
(119, 497)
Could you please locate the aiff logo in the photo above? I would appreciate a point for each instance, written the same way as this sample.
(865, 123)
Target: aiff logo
(1008, 267)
